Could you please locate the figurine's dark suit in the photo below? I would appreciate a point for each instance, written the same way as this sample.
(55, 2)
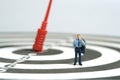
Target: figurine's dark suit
(83, 48)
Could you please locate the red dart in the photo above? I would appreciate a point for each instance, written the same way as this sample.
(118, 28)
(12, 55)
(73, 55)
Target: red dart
(41, 34)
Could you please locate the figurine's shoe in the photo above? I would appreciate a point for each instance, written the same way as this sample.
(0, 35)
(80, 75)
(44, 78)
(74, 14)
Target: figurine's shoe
(80, 64)
(74, 64)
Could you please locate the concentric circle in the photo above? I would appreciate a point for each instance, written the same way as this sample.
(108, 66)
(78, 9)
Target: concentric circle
(101, 60)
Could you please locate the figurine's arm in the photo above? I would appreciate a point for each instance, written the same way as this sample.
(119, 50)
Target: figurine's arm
(74, 44)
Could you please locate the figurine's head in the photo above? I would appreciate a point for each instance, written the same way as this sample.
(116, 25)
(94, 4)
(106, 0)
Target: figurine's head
(79, 36)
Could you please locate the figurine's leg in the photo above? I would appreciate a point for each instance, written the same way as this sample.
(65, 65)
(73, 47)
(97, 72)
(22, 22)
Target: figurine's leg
(75, 59)
(80, 60)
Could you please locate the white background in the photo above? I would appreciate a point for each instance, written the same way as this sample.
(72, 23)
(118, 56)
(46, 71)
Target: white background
(69, 16)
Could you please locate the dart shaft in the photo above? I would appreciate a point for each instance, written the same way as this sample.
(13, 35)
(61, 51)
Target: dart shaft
(41, 34)
(44, 24)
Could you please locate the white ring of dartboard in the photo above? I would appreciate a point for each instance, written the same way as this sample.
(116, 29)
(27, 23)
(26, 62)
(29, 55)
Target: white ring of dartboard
(18, 61)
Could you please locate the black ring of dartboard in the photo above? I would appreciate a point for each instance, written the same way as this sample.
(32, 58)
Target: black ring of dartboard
(71, 70)
(92, 55)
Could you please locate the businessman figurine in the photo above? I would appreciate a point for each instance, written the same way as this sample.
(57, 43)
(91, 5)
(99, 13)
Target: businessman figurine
(79, 46)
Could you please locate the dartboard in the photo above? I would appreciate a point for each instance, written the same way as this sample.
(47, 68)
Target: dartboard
(19, 62)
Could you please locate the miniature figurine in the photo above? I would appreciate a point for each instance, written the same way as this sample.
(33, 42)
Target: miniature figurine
(79, 46)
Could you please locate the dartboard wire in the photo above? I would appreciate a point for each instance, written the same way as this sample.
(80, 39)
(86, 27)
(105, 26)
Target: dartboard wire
(11, 65)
